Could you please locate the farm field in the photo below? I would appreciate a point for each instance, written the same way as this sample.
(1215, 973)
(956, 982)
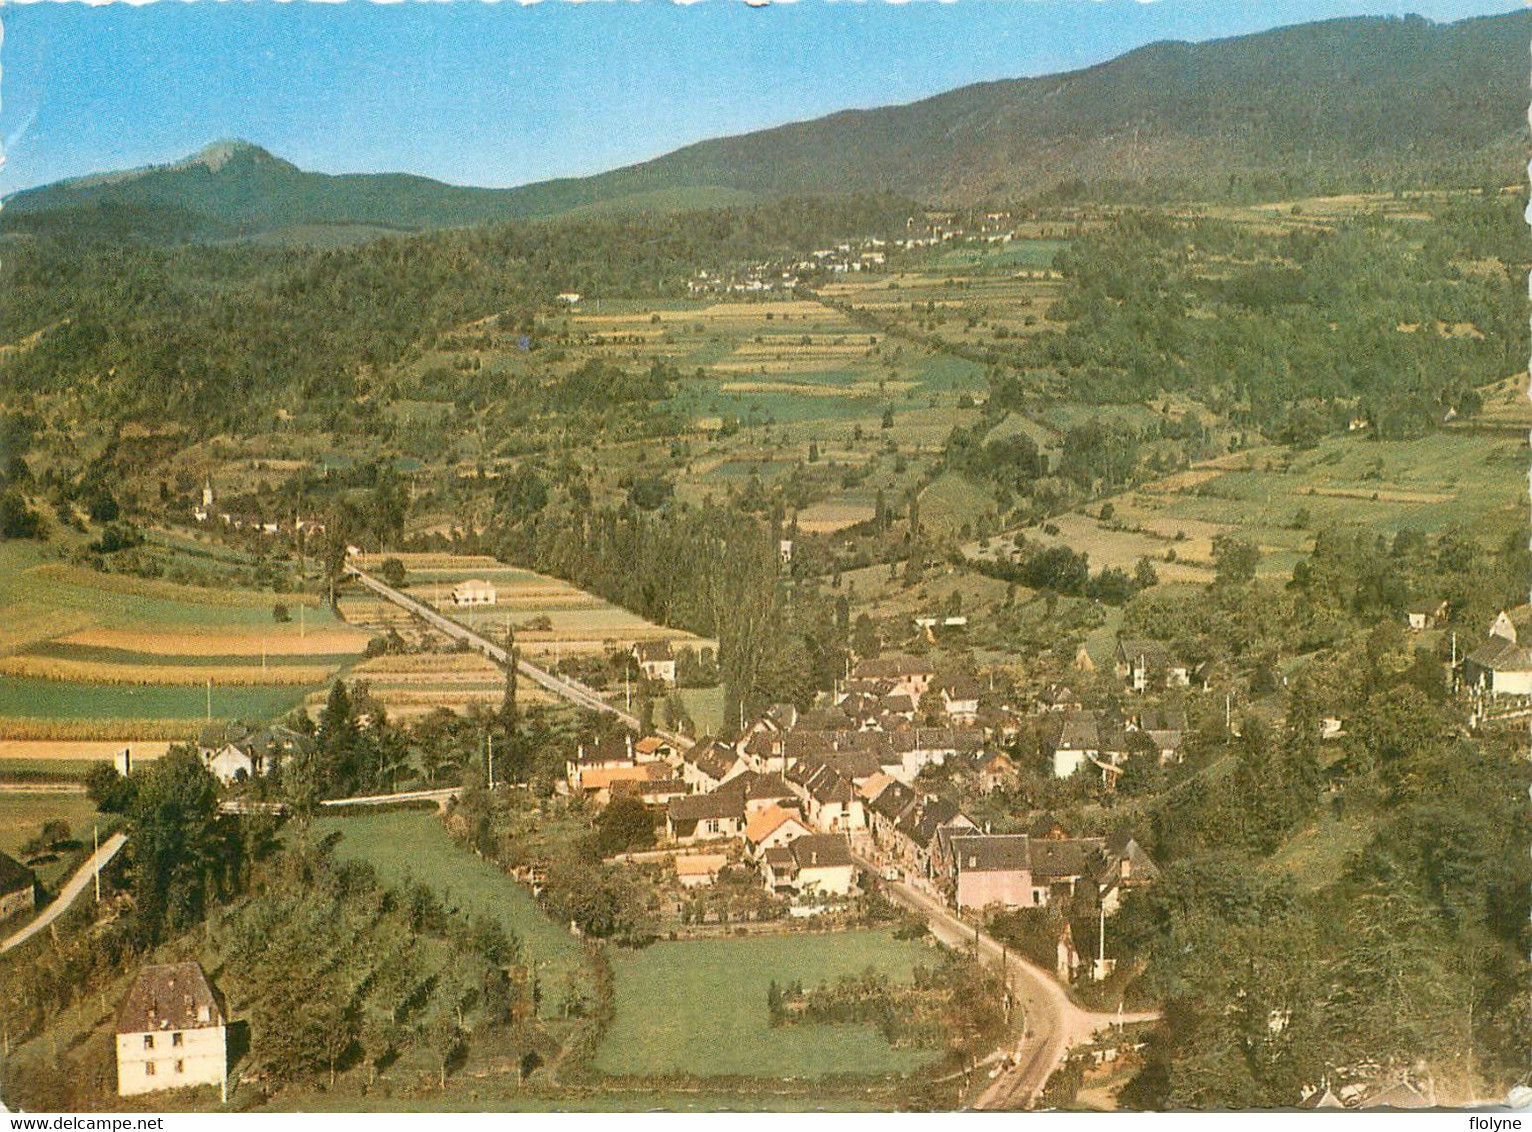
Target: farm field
(25, 697)
(415, 684)
(74, 750)
(699, 1007)
(106, 658)
(413, 845)
(1281, 496)
(549, 616)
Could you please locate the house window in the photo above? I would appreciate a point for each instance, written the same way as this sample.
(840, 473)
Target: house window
(148, 1041)
(175, 1039)
(148, 1069)
(180, 1067)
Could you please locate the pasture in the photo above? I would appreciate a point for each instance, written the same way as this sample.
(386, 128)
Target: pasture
(699, 1008)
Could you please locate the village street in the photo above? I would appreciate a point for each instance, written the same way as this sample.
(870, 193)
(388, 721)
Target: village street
(1051, 1023)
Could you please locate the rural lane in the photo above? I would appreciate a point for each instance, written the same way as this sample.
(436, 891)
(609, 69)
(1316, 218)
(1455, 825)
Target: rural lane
(571, 690)
(1052, 1024)
(70, 892)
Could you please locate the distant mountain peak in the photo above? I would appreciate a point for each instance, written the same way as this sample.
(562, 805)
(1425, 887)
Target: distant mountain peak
(218, 154)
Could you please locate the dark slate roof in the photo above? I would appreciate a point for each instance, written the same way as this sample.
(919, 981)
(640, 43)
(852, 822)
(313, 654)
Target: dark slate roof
(753, 787)
(1141, 867)
(920, 824)
(891, 668)
(276, 741)
(1501, 655)
(1162, 719)
(696, 807)
(169, 996)
(713, 759)
(962, 688)
(824, 719)
(760, 744)
(617, 747)
(1064, 858)
(826, 785)
(653, 651)
(820, 850)
(992, 853)
(1078, 731)
(14, 876)
(893, 800)
(937, 739)
(863, 762)
(216, 735)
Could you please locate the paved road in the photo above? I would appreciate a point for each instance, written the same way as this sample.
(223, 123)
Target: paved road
(77, 884)
(1053, 1023)
(441, 796)
(571, 690)
(42, 788)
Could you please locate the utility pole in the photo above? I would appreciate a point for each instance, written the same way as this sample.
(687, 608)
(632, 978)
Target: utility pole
(97, 858)
(210, 697)
(1101, 950)
(491, 738)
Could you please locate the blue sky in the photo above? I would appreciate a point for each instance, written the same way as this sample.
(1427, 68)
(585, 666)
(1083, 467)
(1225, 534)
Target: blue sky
(503, 94)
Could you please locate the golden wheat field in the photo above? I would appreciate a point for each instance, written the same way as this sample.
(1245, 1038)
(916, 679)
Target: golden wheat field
(279, 640)
(79, 750)
(223, 675)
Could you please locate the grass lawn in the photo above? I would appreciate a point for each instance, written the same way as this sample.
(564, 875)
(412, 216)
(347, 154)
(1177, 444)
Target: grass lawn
(705, 706)
(699, 1007)
(413, 845)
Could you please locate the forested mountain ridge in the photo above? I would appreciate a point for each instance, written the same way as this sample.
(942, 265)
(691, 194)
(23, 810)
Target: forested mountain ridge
(1334, 106)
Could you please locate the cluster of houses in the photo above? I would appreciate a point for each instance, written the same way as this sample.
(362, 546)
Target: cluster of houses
(804, 794)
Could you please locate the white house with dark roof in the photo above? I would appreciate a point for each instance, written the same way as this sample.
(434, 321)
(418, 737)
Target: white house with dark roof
(1499, 667)
(170, 1032)
(817, 865)
(656, 661)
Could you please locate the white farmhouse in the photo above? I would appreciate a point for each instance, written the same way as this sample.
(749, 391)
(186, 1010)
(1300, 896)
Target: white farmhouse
(170, 1032)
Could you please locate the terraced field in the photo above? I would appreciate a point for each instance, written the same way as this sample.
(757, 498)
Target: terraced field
(549, 617)
(1280, 497)
(90, 661)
